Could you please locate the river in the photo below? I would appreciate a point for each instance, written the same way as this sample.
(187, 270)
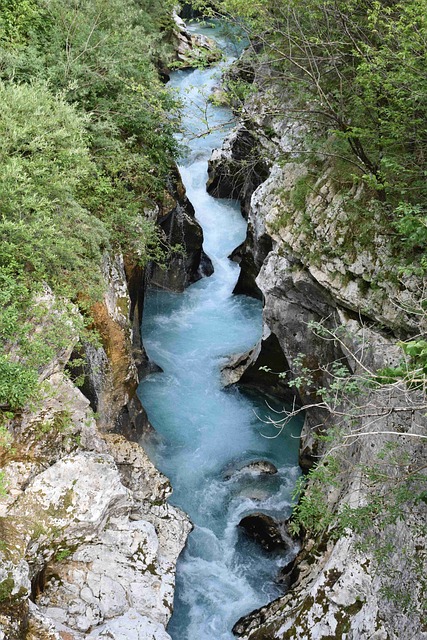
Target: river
(204, 430)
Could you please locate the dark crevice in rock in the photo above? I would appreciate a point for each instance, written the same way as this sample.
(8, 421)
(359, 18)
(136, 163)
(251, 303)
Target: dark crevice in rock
(260, 368)
(82, 368)
(183, 263)
(38, 584)
(132, 422)
(266, 531)
(136, 282)
(188, 13)
(288, 574)
(251, 255)
(137, 279)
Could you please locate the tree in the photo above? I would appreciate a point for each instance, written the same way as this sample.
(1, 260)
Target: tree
(86, 147)
(355, 73)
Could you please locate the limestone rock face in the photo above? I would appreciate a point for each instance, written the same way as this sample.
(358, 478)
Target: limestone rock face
(111, 372)
(193, 49)
(319, 234)
(94, 541)
(228, 175)
(312, 268)
(131, 625)
(336, 589)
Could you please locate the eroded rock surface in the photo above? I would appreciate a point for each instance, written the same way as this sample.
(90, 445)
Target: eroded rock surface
(88, 542)
(256, 467)
(92, 534)
(186, 262)
(314, 269)
(267, 531)
(193, 49)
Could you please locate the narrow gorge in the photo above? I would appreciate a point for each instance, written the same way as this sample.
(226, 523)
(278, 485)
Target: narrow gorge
(213, 320)
(211, 441)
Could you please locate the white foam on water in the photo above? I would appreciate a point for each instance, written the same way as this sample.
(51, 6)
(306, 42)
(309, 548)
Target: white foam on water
(220, 575)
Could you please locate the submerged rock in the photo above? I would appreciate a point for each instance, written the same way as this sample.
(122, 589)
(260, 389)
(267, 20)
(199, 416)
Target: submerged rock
(267, 531)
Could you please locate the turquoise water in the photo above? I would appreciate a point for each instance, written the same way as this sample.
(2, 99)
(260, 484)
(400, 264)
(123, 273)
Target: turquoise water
(201, 427)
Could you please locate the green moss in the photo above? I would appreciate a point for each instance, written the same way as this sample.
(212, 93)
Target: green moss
(6, 588)
(303, 187)
(151, 568)
(39, 530)
(68, 499)
(63, 554)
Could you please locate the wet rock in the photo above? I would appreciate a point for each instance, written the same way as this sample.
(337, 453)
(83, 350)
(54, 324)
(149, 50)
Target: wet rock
(263, 368)
(288, 574)
(267, 531)
(236, 169)
(261, 467)
(132, 422)
(186, 261)
(249, 269)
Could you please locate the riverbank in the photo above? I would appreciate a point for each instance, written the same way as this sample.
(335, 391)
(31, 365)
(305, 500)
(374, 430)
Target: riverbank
(339, 309)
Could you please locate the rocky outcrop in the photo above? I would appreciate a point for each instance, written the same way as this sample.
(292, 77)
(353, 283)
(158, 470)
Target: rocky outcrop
(185, 261)
(88, 537)
(88, 542)
(263, 368)
(334, 296)
(109, 372)
(244, 163)
(266, 531)
(193, 49)
(87, 534)
(355, 585)
(235, 170)
(336, 589)
(125, 565)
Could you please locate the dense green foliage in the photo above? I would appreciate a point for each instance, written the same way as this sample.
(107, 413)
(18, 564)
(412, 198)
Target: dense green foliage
(86, 145)
(354, 71)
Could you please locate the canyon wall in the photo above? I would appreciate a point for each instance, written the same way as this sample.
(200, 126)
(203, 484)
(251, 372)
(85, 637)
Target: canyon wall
(89, 543)
(334, 299)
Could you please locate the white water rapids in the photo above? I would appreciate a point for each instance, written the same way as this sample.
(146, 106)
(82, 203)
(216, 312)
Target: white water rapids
(203, 428)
